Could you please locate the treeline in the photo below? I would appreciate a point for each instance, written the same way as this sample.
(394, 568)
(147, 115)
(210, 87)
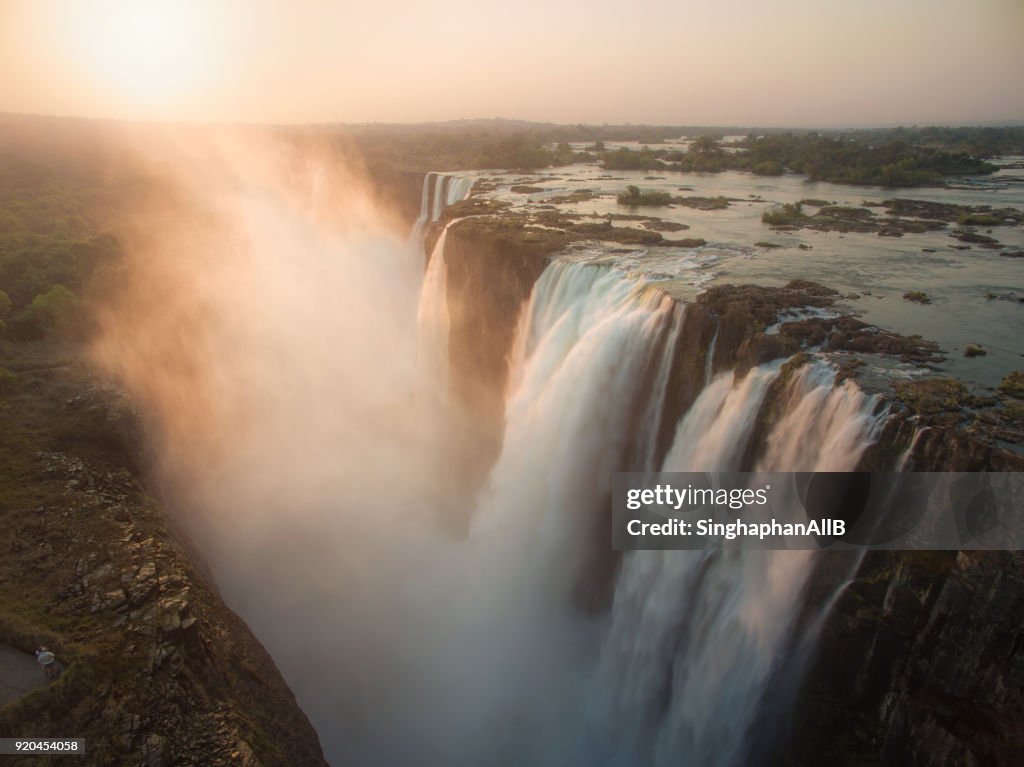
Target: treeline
(50, 244)
(893, 157)
(839, 159)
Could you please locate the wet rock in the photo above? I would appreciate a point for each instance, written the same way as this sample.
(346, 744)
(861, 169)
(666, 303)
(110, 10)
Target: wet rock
(949, 213)
(665, 226)
(930, 396)
(974, 237)
(703, 203)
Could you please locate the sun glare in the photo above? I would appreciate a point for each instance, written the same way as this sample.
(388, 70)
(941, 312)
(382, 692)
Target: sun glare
(153, 52)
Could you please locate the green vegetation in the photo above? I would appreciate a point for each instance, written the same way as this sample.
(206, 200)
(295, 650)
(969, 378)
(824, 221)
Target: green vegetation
(933, 395)
(787, 214)
(56, 309)
(633, 196)
(50, 242)
(979, 219)
(1013, 384)
(901, 157)
(626, 159)
(704, 203)
(849, 159)
(767, 168)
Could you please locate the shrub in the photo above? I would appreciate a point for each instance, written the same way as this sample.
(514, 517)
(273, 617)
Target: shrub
(56, 308)
(979, 219)
(787, 214)
(633, 196)
(1013, 384)
(917, 296)
(768, 168)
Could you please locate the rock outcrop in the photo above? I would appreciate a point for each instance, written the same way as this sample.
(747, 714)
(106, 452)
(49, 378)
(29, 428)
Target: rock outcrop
(158, 670)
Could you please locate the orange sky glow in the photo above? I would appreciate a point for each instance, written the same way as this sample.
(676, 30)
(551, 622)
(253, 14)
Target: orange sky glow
(790, 62)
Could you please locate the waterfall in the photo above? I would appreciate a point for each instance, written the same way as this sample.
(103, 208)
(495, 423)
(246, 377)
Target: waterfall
(696, 636)
(908, 454)
(433, 321)
(677, 672)
(678, 669)
(709, 359)
(517, 637)
(439, 191)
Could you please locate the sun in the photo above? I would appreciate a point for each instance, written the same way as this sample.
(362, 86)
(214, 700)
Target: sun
(153, 52)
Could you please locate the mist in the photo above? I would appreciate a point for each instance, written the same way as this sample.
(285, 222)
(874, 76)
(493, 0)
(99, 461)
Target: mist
(287, 349)
(268, 330)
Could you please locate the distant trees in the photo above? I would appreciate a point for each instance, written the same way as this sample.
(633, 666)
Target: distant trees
(626, 159)
(768, 168)
(706, 147)
(49, 248)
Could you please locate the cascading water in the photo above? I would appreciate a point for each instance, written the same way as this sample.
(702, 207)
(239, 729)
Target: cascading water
(433, 322)
(677, 671)
(439, 191)
(696, 636)
(409, 641)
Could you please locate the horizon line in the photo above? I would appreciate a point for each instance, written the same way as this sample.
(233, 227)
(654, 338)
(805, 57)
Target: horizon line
(997, 123)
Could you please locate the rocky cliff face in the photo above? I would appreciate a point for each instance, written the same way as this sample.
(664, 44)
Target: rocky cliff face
(920, 661)
(492, 266)
(158, 670)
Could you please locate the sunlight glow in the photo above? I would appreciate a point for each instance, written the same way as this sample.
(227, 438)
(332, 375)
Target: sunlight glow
(151, 52)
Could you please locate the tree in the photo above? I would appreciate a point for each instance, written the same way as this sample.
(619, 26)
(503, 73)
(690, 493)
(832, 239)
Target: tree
(56, 308)
(705, 146)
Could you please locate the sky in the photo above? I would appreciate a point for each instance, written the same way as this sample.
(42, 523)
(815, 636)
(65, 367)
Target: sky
(687, 62)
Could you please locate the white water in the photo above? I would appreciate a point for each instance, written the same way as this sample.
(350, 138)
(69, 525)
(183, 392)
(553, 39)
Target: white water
(678, 670)
(408, 644)
(433, 320)
(695, 636)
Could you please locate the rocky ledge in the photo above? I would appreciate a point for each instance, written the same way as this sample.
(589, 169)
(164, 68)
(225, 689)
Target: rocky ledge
(158, 670)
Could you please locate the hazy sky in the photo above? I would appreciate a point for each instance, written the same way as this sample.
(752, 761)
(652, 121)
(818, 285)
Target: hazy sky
(747, 62)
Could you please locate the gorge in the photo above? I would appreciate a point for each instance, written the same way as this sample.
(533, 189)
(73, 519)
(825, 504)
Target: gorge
(429, 555)
(376, 412)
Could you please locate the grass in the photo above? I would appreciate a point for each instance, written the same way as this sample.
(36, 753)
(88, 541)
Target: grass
(1013, 384)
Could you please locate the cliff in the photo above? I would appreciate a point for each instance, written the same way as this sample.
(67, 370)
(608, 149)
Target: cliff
(919, 660)
(918, 663)
(158, 670)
